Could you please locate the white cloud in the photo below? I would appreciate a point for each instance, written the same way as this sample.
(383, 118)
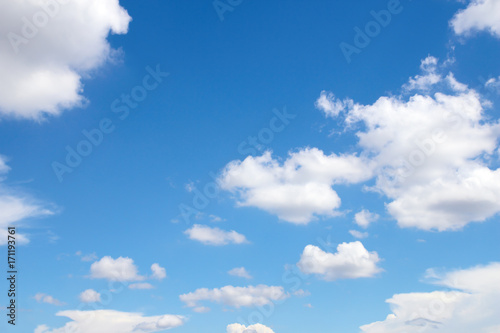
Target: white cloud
(297, 190)
(110, 321)
(215, 218)
(493, 84)
(429, 78)
(301, 293)
(479, 15)
(240, 272)
(214, 236)
(236, 296)
(364, 218)
(430, 151)
(330, 105)
(351, 261)
(201, 309)
(120, 269)
(16, 207)
(257, 328)
(472, 305)
(48, 49)
(44, 298)
(159, 272)
(142, 285)
(90, 296)
(358, 234)
(86, 257)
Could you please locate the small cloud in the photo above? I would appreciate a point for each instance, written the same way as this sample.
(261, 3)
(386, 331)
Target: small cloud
(52, 237)
(44, 298)
(240, 272)
(215, 218)
(364, 218)
(87, 257)
(159, 272)
(351, 261)
(141, 286)
(190, 187)
(358, 234)
(201, 309)
(120, 269)
(301, 293)
(90, 296)
(330, 105)
(308, 305)
(214, 236)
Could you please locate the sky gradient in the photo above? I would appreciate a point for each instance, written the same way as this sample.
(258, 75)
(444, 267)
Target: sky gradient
(251, 166)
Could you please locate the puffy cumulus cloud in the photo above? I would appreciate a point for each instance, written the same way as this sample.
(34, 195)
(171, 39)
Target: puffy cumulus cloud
(236, 296)
(120, 269)
(16, 207)
(431, 153)
(240, 272)
(330, 105)
(298, 189)
(351, 261)
(44, 298)
(364, 218)
(480, 15)
(90, 296)
(48, 47)
(159, 273)
(214, 236)
(110, 321)
(472, 305)
(256, 328)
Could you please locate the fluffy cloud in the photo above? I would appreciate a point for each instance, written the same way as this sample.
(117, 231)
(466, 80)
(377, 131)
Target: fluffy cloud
(330, 105)
(429, 77)
(110, 321)
(240, 272)
(15, 208)
(44, 298)
(358, 234)
(214, 236)
(297, 190)
(351, 261)
(431, 153)
(257, 328)
(48, 47)
(90, 296)
(236, 296)
(364, 218)
(120, 269)
(159, 273)
(472, 305)
(479, 15)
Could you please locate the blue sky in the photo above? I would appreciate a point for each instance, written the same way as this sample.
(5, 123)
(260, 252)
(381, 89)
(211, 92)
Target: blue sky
(375, 176)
